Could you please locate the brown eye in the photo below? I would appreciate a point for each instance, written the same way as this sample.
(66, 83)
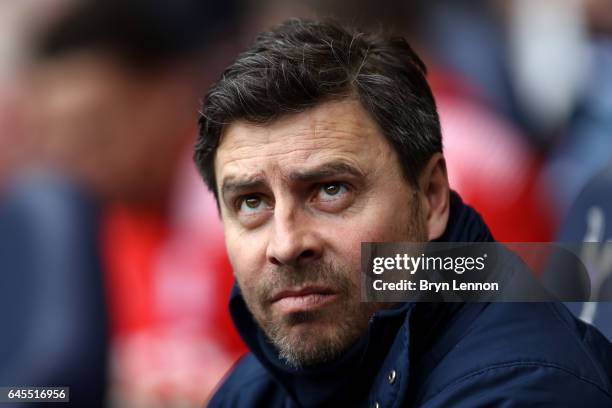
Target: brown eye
(333, 197)
(332, 190)
(251, 204)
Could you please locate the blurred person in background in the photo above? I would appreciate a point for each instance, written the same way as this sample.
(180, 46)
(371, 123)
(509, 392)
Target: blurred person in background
(111, 113)
(53, 335)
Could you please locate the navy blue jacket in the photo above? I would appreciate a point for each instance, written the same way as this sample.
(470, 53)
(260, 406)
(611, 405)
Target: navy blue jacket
(437, 355)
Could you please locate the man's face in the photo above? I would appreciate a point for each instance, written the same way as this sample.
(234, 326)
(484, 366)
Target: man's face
(120, 131)
(298, 196)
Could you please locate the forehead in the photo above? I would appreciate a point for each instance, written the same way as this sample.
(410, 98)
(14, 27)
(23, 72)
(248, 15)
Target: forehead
(332, 131)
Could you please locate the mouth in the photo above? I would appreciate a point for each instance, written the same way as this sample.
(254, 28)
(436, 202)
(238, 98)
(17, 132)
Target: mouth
(303, 299)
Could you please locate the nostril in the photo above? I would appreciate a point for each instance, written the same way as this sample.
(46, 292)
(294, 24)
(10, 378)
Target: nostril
(280, 259)
(309, 253)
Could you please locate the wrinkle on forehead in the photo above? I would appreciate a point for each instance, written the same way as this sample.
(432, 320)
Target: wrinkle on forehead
(333, 130)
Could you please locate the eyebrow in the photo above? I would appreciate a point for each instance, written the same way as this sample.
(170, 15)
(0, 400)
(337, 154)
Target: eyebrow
(327, 170)
(233, 185)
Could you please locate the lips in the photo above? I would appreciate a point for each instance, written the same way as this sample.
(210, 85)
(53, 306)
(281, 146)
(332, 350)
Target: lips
(303, 299)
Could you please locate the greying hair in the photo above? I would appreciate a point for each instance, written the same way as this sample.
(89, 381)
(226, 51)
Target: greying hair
(302, 63)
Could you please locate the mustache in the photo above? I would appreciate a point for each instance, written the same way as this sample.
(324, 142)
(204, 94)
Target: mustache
(320, 273)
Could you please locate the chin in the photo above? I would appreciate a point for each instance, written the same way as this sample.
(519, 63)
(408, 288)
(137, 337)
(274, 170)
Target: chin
(301, 350)
(312, 343)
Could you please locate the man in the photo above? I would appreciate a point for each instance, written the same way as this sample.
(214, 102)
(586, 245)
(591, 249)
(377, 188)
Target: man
(319, 138)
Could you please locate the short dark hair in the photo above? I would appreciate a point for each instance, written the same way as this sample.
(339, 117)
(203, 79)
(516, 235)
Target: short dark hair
(139, 33)
(302, 63)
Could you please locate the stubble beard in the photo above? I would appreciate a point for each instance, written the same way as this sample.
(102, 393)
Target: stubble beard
(312, 337)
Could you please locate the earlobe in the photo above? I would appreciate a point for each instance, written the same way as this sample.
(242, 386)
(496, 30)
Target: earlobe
(435, 189)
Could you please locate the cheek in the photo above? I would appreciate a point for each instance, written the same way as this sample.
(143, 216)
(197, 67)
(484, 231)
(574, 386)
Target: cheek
(371, 226)
(345, 244)
(390, 219)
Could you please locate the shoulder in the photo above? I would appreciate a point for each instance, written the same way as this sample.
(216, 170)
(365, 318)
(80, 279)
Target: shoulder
(248, 384)
(525, 349)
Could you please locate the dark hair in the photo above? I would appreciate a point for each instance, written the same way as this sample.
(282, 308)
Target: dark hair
(140, 33)
(302, 63)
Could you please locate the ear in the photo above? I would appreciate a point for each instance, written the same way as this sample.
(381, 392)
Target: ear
(435, 192)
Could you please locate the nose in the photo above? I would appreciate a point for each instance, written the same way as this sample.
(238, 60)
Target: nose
(294, 239)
